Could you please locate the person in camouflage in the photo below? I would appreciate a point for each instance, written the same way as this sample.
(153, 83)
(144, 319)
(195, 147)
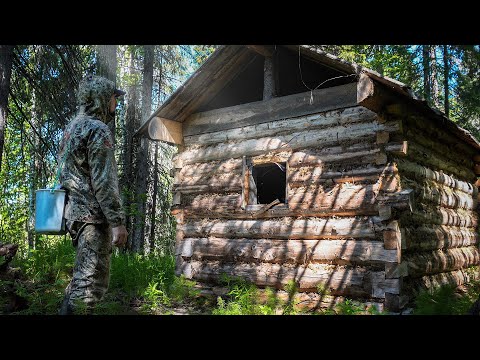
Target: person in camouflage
(94, 215)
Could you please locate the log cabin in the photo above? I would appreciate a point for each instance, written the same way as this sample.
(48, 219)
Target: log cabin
(294, 165)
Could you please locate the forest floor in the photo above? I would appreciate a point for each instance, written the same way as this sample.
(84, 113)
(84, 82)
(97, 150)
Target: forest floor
(22, 295)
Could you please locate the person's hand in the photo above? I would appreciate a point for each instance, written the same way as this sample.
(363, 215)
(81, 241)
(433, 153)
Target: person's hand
(119, 235)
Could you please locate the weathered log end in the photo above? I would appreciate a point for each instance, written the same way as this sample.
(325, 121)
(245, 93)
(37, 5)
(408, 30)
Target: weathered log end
(395, 302)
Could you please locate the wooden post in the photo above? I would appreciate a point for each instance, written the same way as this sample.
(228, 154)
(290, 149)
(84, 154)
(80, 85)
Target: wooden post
(246, 182)
(269, 90)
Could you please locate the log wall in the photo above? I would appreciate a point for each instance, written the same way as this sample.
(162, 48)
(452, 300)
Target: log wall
(341, 189)
(376, 205)
(440, 235)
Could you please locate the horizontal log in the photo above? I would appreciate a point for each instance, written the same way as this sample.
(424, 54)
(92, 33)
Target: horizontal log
(278, 108)
(421, 172)
(439, 237)
(272, 157)
(440, 216)
(214, 201)
(287, 251)
(436, 147)
(426, 157)
(337, 280)
(436, 261)
(297, 140)
(397, 148)
(453, 278)
(287, 228)
(340, 196)
(226, 180)
(306, 175)
(311, 121)
(217, 188)
(319, 156)
(213, 167)
(440, 195)
(430, 128)
(400, 200)
(234, 212)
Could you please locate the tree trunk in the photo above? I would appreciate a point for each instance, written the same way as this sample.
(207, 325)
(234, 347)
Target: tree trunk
(127, 176)
(107, 67)
(6, 55)
(142, 154)
(107, 61)
(34, 173)
(155, 169)
(433, 75)
(446, 76)
(426, 72)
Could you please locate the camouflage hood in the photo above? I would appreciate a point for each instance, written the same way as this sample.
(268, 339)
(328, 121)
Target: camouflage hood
(93, 97)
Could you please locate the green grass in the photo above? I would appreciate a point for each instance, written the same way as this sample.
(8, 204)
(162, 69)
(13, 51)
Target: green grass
(139, 284)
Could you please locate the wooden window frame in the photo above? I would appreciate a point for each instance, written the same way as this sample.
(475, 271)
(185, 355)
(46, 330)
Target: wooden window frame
(249, 193)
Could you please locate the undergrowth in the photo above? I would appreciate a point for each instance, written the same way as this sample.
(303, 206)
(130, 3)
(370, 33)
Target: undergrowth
(147, 285)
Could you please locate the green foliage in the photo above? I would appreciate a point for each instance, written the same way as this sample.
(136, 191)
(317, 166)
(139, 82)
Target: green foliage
(182, 289)
(350, 307)
(134, 273)
(48, 270)
(446, 301)
(144, 279)
(243, 298)
(242, 295)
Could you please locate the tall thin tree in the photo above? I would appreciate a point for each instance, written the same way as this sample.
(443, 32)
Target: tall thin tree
(6, 55)
(127, 179)
(426, 72)
(446, 77)
(142, 153)
(433, 76)
(155, 168)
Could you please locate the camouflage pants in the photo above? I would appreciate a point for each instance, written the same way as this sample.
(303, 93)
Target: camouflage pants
(91, 272)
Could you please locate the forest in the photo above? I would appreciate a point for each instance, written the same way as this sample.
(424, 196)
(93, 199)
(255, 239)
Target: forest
(37, 98)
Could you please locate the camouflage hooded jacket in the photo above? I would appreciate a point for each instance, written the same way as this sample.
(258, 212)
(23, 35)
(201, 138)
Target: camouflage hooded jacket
(89, 172)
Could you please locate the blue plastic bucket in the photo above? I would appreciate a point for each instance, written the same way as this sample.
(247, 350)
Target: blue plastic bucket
(49, 209)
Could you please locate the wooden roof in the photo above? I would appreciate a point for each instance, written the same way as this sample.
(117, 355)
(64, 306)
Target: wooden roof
(228, 60)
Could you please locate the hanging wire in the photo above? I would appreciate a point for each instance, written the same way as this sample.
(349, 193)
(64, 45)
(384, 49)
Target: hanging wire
(316, 87)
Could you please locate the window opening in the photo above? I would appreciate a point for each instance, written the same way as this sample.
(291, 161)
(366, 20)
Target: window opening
(270, 182)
